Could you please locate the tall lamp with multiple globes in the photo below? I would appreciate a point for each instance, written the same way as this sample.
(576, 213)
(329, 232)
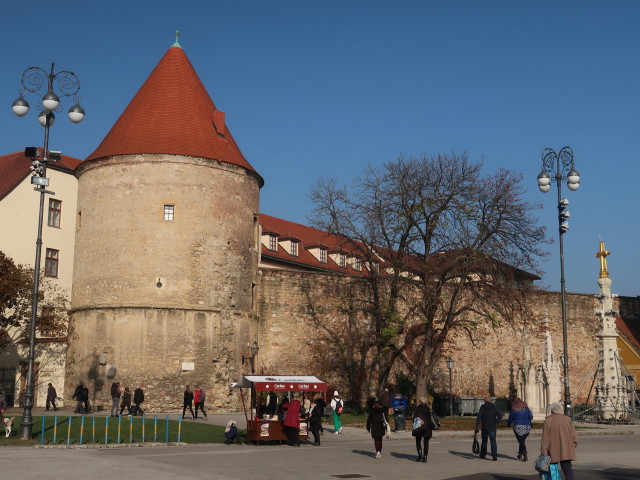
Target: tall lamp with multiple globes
(561, 167)
(67, 84)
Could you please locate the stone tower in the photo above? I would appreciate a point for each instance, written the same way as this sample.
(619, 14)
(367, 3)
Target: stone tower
(166, 254)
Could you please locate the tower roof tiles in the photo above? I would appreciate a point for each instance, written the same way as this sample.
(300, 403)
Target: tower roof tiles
(173, 114)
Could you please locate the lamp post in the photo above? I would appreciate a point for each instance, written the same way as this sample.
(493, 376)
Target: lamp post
(450, 363)
(560, 166)
(67, 84)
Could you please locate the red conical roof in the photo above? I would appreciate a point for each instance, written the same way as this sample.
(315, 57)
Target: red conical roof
(172, 113)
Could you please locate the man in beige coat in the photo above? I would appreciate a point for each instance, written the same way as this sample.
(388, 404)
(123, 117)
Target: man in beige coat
(559, 440)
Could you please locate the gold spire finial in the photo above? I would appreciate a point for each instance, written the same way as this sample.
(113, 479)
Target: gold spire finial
(602, 255)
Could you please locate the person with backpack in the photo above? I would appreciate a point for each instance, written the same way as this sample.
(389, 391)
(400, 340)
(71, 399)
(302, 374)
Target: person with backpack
(376, 424)
(337, 406)
(422, 429)
(198, 398)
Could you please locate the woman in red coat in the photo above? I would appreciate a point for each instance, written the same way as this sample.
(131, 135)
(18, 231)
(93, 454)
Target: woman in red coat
(292, 422)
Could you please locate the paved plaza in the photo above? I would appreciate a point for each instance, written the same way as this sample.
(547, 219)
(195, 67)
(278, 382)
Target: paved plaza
(607, 453)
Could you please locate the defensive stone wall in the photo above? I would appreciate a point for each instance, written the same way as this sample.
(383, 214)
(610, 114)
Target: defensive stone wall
(293, 305)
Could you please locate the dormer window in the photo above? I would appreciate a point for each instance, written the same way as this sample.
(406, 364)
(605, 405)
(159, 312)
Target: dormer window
(273, 243)
(357, 264)
(342, 260)
(294, 248)
(323, 255)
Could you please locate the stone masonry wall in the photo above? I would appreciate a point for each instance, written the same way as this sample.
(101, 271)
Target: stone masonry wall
(289, 302)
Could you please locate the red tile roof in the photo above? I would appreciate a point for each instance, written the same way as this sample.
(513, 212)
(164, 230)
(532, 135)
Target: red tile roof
(14, 167)
(173, 114)
(308, 237)
(629, 327)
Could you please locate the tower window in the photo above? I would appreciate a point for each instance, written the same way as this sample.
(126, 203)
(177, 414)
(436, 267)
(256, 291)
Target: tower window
(55, 211)
(51, 262)
(168, 213)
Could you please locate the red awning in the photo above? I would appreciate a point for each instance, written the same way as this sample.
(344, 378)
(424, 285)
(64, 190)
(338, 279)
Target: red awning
(290, 383)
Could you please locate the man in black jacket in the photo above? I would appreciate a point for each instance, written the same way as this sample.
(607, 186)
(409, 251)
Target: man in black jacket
(487, 423)
(138, 398)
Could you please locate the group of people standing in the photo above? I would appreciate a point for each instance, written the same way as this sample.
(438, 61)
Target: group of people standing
(121, 398)
(559, 437)
(197, 396)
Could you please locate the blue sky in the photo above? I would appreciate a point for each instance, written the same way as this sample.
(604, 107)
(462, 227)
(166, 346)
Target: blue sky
(325, 88)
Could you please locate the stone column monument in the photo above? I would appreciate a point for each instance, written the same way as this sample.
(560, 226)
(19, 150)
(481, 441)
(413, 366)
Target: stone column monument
(610, 397)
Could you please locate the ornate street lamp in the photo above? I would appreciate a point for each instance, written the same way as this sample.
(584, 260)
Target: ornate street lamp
(560, 166)
(66, 84)
(252, 360)
(450, 363)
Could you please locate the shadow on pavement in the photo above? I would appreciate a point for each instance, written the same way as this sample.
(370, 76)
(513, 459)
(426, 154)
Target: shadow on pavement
(610, 474)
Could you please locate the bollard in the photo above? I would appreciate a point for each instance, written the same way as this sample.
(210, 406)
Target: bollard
(119, 423)
(179, 427)
(106, 430)
(69, 431)
(166, 440)
(155, 428)
(130, 429)
(142, 428)
(81, 428)
(93, 430)
(55, 428)
(42, 436)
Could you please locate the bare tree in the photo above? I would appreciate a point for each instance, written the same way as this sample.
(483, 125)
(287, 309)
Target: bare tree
(445, 246)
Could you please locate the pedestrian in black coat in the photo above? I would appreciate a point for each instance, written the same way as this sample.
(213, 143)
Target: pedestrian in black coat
(138, 398)
(424, 432)
(85, 398)
(376, 425)
(315, 420)
(188, 402)
(126, 401)
(77, 396)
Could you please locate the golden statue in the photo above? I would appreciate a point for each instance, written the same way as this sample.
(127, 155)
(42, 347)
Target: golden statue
(602, 255)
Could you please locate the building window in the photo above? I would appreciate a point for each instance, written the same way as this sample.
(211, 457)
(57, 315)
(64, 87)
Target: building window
(294, 249)
(323, 255)
(357, 264)
(168, 213)
(51, 262)
(273, 243)
(342, 260)
(55, 211)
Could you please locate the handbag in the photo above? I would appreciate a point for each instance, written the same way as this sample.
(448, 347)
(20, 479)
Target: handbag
(476, 446)
(542, 463)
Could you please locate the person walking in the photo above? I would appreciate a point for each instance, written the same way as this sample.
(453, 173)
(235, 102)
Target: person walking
(116, 393)
(126, 401)
(85, 398)
(337, 406)
(376, 425)
(291, 424)
(559, 440)
(487, 423)
(138, 399)
(422, 429)
(77, 396)
(386, 400)
(198, 398)
(315, 420)
(187, 401)
(52, 395)
(520, 417)
(323, 405)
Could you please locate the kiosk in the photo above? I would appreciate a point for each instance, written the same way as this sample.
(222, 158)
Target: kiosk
(270, 429)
